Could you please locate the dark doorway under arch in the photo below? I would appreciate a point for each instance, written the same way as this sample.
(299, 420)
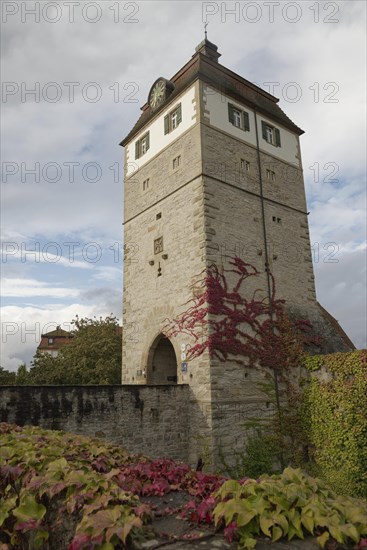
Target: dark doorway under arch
(162, 362)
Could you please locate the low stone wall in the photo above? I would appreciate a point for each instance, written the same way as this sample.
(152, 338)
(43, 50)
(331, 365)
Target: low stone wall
(144, 419)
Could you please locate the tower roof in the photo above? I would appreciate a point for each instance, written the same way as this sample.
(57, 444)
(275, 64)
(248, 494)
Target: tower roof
(204, 65)
(209, 49)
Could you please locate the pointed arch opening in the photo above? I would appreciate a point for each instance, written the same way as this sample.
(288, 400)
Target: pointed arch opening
(162, 362)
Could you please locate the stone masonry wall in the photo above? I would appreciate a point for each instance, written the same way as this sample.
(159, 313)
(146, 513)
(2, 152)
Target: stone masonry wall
(143, 419)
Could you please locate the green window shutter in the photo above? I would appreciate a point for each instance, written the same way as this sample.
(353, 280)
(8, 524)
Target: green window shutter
(277, 137)
(166, 124)
(179, 114)
(148, 141)
(137, 149)
(263, 127)
(230, 113)
(246, 121)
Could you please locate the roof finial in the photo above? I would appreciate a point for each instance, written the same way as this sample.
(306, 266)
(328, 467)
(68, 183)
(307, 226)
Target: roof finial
(206, 33)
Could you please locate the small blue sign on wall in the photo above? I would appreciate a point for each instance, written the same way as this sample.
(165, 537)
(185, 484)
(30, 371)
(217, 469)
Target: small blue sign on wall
(184, 367)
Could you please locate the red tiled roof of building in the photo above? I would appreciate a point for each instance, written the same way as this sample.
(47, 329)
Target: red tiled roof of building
(54, 340)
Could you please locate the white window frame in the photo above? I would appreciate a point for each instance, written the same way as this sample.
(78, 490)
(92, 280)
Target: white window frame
(144, 143)
(270, 135)
(237, 118)
(173, 119)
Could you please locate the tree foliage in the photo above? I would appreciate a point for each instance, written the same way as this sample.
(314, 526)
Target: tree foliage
(93, 356)
(7, 378)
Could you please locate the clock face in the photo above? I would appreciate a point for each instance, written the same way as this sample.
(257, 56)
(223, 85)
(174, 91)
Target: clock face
(158, 93)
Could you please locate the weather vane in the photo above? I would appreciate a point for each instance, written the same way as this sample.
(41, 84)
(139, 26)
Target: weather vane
(206, 33)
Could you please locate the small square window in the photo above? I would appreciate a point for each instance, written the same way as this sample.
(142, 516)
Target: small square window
(158, 216)
(176, 162)
(277, 220)
(145, 184)
(245, 165)
(50, 341)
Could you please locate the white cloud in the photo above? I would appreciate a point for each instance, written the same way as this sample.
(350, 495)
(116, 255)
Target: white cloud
(25, 288)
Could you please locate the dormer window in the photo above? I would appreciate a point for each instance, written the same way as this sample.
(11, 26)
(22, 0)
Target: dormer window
(238, 118)
(270, 134)
(142, 146)
(173, 119)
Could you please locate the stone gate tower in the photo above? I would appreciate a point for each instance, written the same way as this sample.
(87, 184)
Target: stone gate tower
(212, 170)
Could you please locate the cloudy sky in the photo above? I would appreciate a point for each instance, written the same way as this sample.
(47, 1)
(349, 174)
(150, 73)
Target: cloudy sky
(75, 75)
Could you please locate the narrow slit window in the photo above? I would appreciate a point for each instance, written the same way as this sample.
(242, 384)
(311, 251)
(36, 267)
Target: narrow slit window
(176, 162)
(270, 175)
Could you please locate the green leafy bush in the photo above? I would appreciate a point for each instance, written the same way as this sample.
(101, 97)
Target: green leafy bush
(257, 459)
(289, 505)
(38, 466)
(60, 490)
(334, 413)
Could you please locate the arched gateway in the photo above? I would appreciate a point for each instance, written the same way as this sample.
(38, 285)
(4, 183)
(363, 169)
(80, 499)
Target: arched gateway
(162, 362)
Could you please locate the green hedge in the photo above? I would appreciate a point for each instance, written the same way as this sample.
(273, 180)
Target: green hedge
(334, 415)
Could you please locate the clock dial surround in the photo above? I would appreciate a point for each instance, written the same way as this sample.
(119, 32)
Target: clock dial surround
(158, 93)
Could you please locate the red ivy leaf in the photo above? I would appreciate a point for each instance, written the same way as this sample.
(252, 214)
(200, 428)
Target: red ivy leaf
(230, 532)
(80, 541)
(29, 525)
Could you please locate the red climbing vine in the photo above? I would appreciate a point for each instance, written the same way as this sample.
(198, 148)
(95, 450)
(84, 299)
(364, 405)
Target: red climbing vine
(230, 326)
